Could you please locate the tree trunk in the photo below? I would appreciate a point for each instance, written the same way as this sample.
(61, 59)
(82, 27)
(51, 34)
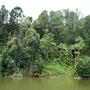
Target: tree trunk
(78, 54)
(31, 69)
(71, 57)
(75, 59)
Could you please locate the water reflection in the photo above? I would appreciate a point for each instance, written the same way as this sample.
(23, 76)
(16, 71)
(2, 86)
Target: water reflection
(44, 84)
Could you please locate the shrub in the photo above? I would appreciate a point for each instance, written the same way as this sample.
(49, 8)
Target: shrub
(58, 68)
(8, 66)
(38, 66)
(83, 68)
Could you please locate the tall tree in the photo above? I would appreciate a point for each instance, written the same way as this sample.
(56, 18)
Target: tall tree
(15, 15)
(71, 26)
(12, 57)
(48, 46)
(56, 25)
(41, 23)
(86, 34)
(4, 13)
(31, 48)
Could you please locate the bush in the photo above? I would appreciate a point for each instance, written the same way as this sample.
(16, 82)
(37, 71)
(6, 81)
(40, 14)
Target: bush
(12, 57)
(58, 68)
(0, 62)
(38, 66)
(8, 66)
(1, 49)
(83, 68)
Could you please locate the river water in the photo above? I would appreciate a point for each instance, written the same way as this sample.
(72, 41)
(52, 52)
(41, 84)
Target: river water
(28, 83)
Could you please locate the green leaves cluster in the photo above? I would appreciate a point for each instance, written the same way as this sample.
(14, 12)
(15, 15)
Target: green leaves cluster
(12, 57)
(83, 68)
(31, 45)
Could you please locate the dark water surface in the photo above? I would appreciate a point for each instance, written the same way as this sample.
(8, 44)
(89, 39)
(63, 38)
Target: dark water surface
(28, 83)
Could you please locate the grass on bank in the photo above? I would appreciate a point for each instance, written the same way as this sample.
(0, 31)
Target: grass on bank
(58, 69)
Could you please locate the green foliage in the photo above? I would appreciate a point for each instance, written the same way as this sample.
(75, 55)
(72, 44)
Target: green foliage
(16, 14)
(71, 28)
(41, 23)
(55, 69)
(0, 62)
(31, 48)
(31, 37)
(8, 66)
(38, 66)
(1, 49)
(86, 34)
(56, 25)
(26, 22)
(3, 15)
(83, 68)
(12, 57)
(64, 53)
(47, 45)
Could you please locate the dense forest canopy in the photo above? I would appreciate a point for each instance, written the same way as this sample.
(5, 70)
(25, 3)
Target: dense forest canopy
(56, 41)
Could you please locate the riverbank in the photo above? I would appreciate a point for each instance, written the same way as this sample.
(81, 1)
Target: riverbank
(41, 76)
